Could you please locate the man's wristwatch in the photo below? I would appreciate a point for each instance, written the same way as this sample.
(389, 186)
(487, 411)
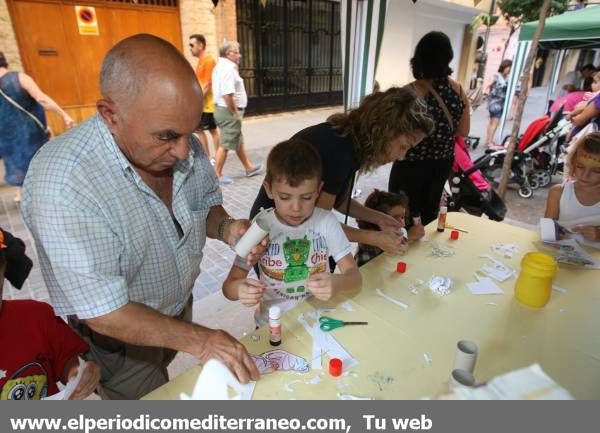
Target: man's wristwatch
(221, 230)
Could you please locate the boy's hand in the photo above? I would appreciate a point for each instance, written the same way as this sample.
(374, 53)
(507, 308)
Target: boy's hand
(250, 291)
(589, 233)
(321, 285)
(257, 252)
(88, 382)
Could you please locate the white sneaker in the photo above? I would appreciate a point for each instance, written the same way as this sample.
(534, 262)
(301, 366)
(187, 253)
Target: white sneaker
(258, 168)
(225, 180)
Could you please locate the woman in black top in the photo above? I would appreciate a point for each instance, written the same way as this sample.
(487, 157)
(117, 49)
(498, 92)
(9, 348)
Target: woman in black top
(382, 129)
(427, 166)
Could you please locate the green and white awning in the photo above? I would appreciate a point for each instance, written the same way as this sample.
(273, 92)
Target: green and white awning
(362, 24)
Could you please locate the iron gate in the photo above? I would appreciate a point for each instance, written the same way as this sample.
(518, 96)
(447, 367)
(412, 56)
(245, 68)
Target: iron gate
(291, 53)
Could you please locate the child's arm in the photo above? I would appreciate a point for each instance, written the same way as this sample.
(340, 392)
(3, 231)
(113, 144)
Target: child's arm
(553, 202)
(588, 113)
(237, 287)
(89, 379)
(325, 285)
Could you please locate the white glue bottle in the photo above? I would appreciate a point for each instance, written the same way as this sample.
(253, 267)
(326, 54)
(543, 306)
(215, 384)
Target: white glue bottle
(274, 326)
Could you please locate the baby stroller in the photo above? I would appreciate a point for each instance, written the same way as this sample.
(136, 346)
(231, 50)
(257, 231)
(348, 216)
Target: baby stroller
(537, 156)
(463, 191)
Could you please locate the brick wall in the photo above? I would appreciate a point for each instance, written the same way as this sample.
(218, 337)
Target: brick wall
(197, 16)
(8, 41)
(226, 24)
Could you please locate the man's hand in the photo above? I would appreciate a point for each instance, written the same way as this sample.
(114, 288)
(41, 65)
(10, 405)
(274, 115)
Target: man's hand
(218, 344)
(321, 285)
(89, 380)
(250, 291)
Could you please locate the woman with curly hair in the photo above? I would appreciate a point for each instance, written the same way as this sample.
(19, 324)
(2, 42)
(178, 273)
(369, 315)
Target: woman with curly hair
(380, 130)
(426, 167)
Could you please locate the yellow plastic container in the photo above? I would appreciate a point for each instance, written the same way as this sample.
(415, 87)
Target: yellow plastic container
(534, 285)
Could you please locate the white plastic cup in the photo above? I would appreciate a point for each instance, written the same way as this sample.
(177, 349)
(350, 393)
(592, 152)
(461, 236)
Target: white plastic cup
(257, 231)
(466, 356)
(460, 378)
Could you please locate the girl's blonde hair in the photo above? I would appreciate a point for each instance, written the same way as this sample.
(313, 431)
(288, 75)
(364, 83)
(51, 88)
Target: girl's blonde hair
(379, 119)
(589, 143)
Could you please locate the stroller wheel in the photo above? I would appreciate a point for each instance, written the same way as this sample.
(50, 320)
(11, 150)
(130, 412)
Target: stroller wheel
(525, 191)
(540, 178)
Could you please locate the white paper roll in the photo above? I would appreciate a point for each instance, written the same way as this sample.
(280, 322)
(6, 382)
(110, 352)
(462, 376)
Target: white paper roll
(466, 356)
(257, 231)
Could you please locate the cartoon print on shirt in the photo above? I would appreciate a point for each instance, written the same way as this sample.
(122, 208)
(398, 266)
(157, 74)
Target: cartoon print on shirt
(296, 252)
(29, 382)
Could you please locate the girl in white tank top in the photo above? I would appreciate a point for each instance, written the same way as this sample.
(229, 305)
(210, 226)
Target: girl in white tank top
(576, 203)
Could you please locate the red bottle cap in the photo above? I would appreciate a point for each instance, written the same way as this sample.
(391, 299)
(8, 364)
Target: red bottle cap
(454, 234)
(335, 367)
(401, 267)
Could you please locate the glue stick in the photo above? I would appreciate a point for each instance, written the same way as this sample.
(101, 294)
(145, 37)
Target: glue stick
(274, 326)
(442, 218)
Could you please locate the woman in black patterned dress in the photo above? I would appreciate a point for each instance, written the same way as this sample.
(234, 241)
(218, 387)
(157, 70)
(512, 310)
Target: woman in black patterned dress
(427, 166)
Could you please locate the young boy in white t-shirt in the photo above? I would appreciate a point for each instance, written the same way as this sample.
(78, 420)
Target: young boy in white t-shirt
(301, 239)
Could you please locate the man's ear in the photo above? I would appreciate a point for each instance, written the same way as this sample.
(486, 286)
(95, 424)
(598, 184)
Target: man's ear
(267, 186)
(320, 187)
(106, 109)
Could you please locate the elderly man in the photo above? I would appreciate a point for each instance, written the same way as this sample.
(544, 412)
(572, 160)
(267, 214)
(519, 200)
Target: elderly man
(230, 102)
(120, 208)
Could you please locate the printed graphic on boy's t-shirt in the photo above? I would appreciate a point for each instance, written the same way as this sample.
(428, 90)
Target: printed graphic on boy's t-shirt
(294, 268)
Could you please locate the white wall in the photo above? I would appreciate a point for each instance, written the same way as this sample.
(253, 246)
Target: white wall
(406, 23)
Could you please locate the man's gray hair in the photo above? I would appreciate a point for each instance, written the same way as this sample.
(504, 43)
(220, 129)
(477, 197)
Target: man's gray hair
(124, 72)
(116, 77)
(228, 46)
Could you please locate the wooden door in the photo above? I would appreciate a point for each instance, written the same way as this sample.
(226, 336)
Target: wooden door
(66, 64)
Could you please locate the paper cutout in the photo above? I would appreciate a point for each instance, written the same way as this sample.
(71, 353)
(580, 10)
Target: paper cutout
(568, 251)
(66, 393)
(529, 383)
(414, 286)
(325, 343)
(214, 383)
(440, 285)
(280, 360)
(497, 270)
(484, 286)
(389, 298)
(505, 250)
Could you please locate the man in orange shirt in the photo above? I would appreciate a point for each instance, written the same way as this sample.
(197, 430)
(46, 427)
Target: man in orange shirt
(206, 64)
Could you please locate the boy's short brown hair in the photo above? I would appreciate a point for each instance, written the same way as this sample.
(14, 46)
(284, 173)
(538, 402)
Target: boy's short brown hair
(295, 161)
